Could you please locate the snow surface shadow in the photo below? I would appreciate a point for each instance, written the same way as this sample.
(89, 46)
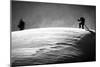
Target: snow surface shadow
(88, 46)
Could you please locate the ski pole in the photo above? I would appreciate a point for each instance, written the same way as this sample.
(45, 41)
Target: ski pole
(87, 28)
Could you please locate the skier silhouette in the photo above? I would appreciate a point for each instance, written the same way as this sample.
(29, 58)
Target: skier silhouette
(81, 22)
(21, 24)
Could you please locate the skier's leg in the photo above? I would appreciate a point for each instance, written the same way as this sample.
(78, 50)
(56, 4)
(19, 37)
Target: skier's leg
(79, 25)
(82, 26)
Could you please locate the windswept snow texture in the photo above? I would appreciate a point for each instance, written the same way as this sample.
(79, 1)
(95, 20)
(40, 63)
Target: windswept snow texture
(52, 45)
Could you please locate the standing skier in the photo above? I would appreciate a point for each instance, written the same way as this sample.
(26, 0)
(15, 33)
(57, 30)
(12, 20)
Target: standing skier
(21, 24)
(81, 22)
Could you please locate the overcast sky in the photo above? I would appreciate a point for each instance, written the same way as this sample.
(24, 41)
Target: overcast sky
(38, 15)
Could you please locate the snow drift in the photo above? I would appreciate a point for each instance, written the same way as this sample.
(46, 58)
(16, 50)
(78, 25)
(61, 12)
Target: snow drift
(52, 45)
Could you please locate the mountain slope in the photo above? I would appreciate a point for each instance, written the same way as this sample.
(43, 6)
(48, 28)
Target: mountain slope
(52, 45)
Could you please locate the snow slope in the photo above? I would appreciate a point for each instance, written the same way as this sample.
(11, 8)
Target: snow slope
(52, 45)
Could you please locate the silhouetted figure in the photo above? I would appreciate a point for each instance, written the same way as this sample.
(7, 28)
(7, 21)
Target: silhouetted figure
(81, 22)
(21, 24)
